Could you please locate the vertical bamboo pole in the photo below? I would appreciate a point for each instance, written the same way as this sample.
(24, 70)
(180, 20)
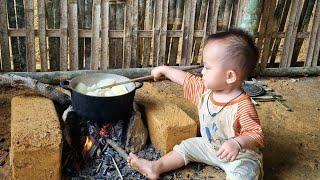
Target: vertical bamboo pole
(53, 22)
(16, 20)
(104, 62)
(173, 52)
(188, 29)
(221, 8)
(134, 35)
(226, 15)
(200, 25)
(212, 20)
(4, 39)
(81, 47)
(163, 34)
(156, 31)
(314, 39)
(235, 12)
(127, 32)
(73, 34)
(96, 43)
(147, 26)
(303, 27)
(119, 50)
(171, 16)
(141, 15)
(291, 33)
(270, 30)
(281, 14)
(250, 16)
(87, 25)
(64, 35)
(112, 47)
(42, 35)
(31, 64)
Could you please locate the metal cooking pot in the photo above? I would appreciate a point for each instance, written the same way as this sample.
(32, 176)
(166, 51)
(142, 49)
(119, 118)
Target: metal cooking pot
(108, 109)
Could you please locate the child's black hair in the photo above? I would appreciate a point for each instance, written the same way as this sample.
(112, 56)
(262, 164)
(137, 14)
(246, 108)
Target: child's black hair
(240, 49)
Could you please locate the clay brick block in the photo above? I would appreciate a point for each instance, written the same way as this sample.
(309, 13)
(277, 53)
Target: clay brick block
(167, 123)
(36, 139)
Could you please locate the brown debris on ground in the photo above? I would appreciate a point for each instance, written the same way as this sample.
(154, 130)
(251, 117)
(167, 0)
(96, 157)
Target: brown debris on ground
(292, 138)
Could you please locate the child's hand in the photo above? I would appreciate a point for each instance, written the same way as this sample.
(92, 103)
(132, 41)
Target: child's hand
(158, 72)
(229, 150)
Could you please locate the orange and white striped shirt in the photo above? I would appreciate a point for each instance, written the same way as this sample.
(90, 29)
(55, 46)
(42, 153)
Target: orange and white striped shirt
(246, 121)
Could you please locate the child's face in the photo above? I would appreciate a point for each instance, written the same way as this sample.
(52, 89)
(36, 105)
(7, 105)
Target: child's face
(214, 74)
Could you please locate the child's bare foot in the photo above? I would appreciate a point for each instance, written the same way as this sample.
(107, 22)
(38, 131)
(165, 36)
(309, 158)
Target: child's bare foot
(145, 167)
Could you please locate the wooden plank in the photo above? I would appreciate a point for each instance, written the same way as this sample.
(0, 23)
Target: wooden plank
(4, 39)
(134, 34)
(104, 62)
(96, 42)
(188, 30)
(235, 12)
(112, 47)
(81, 44)
(119, 47)
(314, 38)
(280, 17)
(174, 45)
(204, 33)
(31, 63)
(42, 35)
(147, 26)
(16, 20)
(73, 34)
(53, 22)
(212, 17)
(270, 30)
(291, 33)
(200, 25)
(226, 15)
(64, 36)
(127, 34)
(141, 16)
(156, 31)
(87, 25)
(163, 34)
(303, 26)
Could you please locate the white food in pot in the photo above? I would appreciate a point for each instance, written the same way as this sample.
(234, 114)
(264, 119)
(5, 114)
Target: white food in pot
(106, 92)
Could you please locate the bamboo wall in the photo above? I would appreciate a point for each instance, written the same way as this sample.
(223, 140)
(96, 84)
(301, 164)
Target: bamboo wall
(60, 35)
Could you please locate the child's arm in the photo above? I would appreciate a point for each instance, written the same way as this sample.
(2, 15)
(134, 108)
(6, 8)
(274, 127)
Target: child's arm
(174, 75)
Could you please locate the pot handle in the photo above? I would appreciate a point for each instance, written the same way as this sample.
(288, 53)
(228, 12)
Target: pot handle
(138, 84)
(66, 85)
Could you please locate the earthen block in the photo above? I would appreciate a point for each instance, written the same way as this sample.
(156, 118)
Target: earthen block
(36, 139)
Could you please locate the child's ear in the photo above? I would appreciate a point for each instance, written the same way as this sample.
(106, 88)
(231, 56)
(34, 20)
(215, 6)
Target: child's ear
(231, 76)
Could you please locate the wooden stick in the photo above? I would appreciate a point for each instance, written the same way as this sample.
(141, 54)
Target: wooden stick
(96, 43)
(42, 35)
(116, 147)
(73, 34)
(4, 39)
(115, 164)
(41, 88)
(29, 22)
(64, 38)
(104, 61)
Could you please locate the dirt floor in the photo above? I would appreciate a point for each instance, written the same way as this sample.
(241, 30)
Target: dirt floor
(292, 138)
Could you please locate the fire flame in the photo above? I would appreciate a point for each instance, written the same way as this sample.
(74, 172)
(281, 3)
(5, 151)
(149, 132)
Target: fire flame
(88, 144)
(103, 131)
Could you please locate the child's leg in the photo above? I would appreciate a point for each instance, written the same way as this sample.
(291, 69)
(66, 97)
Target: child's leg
(152, 169)
(243, 169)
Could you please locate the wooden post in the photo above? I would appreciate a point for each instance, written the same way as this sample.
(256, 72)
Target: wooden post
(156, 31)
(53, 21)
(212, 20)
(42, 35)
(314, 39)
(147, 26)
(64, 36)
(291, 33)
(134, 35)
(174, 44)
(16, 20)
(87, 25)
(4, 39)
(73, 34)
(250, 16)
(163, 34)
(81, 47)
(96, 43)
(119, 47)
(188, 30)
(141, 16)
(104, 62)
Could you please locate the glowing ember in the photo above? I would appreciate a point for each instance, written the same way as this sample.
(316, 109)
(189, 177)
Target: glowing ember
(104, 130)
